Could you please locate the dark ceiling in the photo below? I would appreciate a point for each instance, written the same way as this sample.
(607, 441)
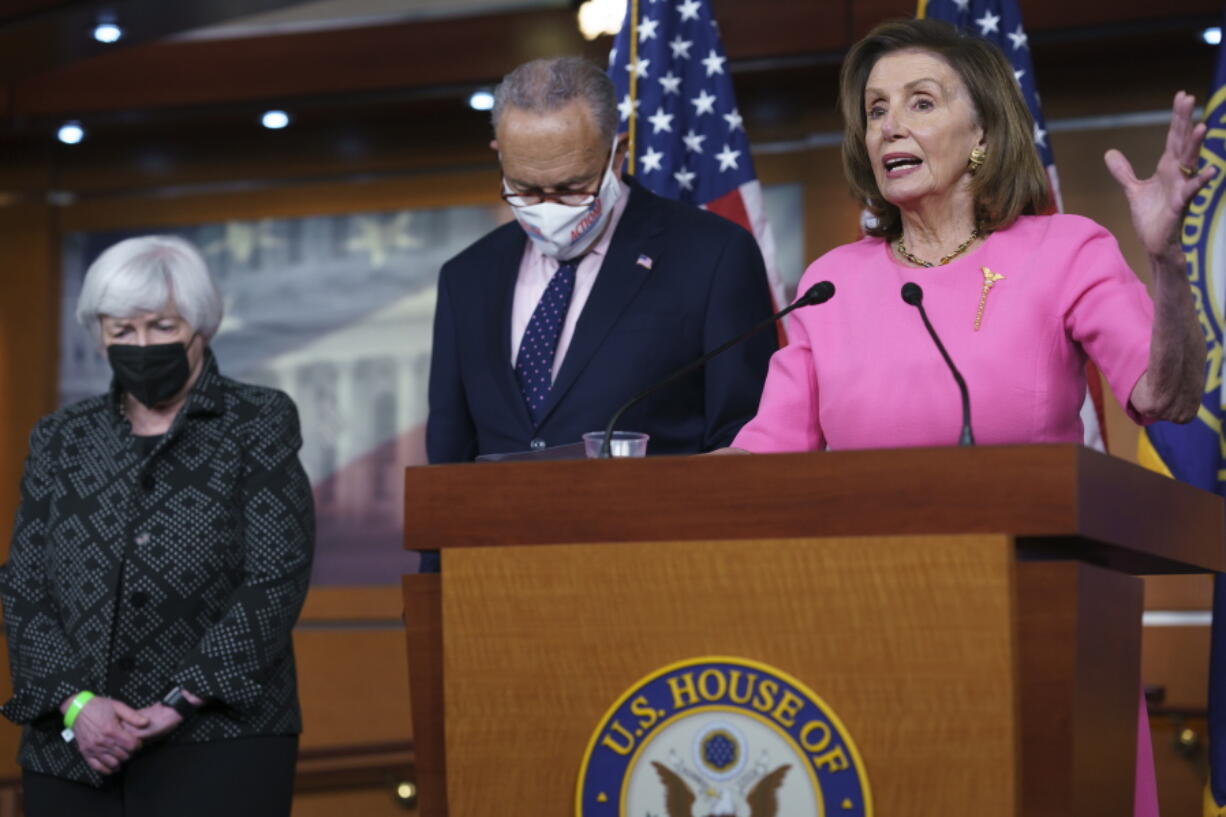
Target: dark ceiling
(164, 107)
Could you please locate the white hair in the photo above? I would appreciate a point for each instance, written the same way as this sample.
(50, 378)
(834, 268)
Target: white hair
(550, 83)
(144, 275)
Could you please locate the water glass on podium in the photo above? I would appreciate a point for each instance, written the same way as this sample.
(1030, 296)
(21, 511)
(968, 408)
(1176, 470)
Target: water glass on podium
(622, 444)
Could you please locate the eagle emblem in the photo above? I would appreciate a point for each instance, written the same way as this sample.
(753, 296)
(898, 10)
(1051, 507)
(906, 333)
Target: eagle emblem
(762, 799)
(721, 736)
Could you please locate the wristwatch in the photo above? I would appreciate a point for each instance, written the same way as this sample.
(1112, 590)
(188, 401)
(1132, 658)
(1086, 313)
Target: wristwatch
(177, 701)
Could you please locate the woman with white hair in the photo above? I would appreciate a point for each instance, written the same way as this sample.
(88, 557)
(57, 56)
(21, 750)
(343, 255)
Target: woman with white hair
(159, 561)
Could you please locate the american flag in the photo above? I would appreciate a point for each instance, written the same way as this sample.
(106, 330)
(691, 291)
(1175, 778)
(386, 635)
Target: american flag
(1001, 22)
(690, 141)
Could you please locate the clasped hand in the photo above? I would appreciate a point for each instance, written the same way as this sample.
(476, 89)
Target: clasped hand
(108, 732)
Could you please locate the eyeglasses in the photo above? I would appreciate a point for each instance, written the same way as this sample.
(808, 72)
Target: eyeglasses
(570, 198)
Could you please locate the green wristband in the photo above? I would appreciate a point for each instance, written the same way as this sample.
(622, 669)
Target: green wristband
(74, 708)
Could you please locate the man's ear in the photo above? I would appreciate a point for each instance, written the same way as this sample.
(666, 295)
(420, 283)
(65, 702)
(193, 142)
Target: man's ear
(622, 146)
(494, 145)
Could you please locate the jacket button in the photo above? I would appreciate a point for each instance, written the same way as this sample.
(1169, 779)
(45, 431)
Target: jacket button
(139, 599)
(537, 444)
(142, 539)
(147, 482)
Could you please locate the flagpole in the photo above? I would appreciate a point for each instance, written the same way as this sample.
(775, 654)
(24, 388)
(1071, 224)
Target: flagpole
(634, 76)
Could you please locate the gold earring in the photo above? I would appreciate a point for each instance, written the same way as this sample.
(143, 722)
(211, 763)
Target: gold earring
(976, 158)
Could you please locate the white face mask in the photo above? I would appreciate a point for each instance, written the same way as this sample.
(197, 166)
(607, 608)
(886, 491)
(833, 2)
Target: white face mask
(564, 232)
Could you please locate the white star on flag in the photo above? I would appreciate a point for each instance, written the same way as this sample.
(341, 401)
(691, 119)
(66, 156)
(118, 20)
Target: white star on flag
(1017, 75)
(680, 47)
(647, 29)
(639, 67)
(677, 156)
(1018, 37)
(714, 63)
(628, 107)
(612, 56)
(1040, 135)
(961, 4)
(661, 121)
(651, 160)
(703, 103)
(988, 23)
(727, 158)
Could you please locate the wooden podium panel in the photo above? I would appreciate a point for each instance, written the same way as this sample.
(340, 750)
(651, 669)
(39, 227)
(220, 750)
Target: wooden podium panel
(909, 640)
(1084, 504)
(966, 613)
(1080, 675)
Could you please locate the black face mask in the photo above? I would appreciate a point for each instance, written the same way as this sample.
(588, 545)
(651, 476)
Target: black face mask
(151, 374)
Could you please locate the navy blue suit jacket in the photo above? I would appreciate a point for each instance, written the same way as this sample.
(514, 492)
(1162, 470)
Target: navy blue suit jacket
(706, 284)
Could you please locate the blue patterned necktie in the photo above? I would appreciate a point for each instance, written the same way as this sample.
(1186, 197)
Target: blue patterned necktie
(534, 365)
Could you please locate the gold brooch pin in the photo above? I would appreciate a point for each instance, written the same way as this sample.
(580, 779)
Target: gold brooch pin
(989, 280)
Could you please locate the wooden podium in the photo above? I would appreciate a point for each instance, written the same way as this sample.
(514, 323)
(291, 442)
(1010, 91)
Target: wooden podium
(971, 614)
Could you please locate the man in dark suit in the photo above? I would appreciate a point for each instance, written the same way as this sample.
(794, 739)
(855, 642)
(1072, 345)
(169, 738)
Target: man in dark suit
(598, 289)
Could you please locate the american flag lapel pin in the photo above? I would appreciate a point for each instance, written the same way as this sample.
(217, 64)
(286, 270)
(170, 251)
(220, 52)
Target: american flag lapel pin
(644, 261)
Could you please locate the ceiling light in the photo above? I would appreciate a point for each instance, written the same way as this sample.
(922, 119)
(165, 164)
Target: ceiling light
(70, 133)
(1212, 35)
(274, 120)
(598, 17)
(107, 33)
(481, 100)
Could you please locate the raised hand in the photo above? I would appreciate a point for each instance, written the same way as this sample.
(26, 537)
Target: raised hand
(1158, 203)
(104, 733)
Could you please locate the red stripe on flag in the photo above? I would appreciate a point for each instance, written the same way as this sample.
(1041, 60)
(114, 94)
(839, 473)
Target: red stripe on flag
(732, 207)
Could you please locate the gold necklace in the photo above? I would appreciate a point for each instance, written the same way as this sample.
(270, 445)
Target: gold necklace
(944, 259)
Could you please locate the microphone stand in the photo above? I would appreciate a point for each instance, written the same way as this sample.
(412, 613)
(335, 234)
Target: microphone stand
(819, 293)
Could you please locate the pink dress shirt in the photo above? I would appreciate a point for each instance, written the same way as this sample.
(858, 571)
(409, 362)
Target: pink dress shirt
(861, 372)
(535, 271)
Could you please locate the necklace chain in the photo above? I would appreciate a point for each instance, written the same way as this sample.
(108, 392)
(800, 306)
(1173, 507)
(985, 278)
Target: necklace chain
(944, 259)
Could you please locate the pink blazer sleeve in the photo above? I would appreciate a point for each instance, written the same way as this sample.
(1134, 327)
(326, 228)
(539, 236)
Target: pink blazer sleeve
(787, 418)
(1108, 311)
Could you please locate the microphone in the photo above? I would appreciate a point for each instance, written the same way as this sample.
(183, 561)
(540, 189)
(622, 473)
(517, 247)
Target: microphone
(819, 293)
(912, 294)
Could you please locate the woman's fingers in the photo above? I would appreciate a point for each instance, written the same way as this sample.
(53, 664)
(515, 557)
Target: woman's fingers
(96, 765)
(124, 739)
(109, 761)
(127, 714)
(1120, 168)
(1177, 133)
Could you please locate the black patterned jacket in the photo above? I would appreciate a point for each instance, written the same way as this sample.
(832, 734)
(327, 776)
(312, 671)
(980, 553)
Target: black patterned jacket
(131, 574)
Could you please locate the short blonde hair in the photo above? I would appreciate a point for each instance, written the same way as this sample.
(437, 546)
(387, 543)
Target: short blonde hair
(1011, 181)
(144, 275)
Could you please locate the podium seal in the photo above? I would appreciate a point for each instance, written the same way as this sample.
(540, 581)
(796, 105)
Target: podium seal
(721, 737)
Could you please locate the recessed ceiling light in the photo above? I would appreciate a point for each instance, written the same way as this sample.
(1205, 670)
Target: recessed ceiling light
(70, 133)
(481, 100)
(107, 33)
(274, 120)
